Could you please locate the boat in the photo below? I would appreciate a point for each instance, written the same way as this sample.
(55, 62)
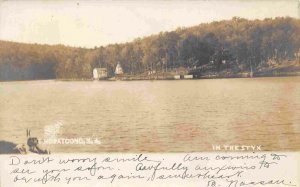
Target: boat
(32, 146)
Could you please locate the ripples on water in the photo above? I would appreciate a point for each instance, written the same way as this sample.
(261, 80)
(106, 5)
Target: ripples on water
(168, 116)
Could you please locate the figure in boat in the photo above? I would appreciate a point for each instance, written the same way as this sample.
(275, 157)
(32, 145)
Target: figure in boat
(32, 143)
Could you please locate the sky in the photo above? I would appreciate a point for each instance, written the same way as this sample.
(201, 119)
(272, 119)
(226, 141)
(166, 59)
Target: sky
(99, 23)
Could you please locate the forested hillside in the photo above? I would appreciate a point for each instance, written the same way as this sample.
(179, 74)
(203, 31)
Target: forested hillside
(235, 44)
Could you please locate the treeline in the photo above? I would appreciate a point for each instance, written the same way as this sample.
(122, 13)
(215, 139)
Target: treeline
(235, 44)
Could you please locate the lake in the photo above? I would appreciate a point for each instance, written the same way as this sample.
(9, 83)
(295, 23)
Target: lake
(155, 116)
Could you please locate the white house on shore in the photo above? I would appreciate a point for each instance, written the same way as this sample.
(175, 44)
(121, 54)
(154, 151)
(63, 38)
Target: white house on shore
(119, 70)
(100, 73)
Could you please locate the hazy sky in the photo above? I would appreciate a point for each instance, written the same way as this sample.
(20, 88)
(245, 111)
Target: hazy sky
(96, 23)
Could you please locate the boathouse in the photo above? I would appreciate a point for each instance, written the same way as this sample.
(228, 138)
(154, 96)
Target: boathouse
(100, 73)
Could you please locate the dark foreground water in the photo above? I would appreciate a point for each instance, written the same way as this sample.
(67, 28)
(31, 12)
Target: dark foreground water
(167, 116)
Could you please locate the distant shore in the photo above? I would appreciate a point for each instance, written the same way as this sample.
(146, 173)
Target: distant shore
(277, 71)
(286, 70)
(213, 76)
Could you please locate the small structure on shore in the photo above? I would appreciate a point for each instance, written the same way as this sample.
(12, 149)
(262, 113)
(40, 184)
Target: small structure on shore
(188, 76)
(177, 77)
(151, 72)
(100, 73)
(119, 69)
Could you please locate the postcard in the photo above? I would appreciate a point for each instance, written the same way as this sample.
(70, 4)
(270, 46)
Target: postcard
(150, 93)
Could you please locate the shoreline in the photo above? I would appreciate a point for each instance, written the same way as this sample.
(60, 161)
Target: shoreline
(287, 71)
(229, 76)
(208, 76)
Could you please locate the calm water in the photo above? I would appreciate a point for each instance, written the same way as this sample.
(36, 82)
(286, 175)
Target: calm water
(170, 116)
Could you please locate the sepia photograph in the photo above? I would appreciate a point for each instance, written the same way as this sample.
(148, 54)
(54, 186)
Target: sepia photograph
(158, 76)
